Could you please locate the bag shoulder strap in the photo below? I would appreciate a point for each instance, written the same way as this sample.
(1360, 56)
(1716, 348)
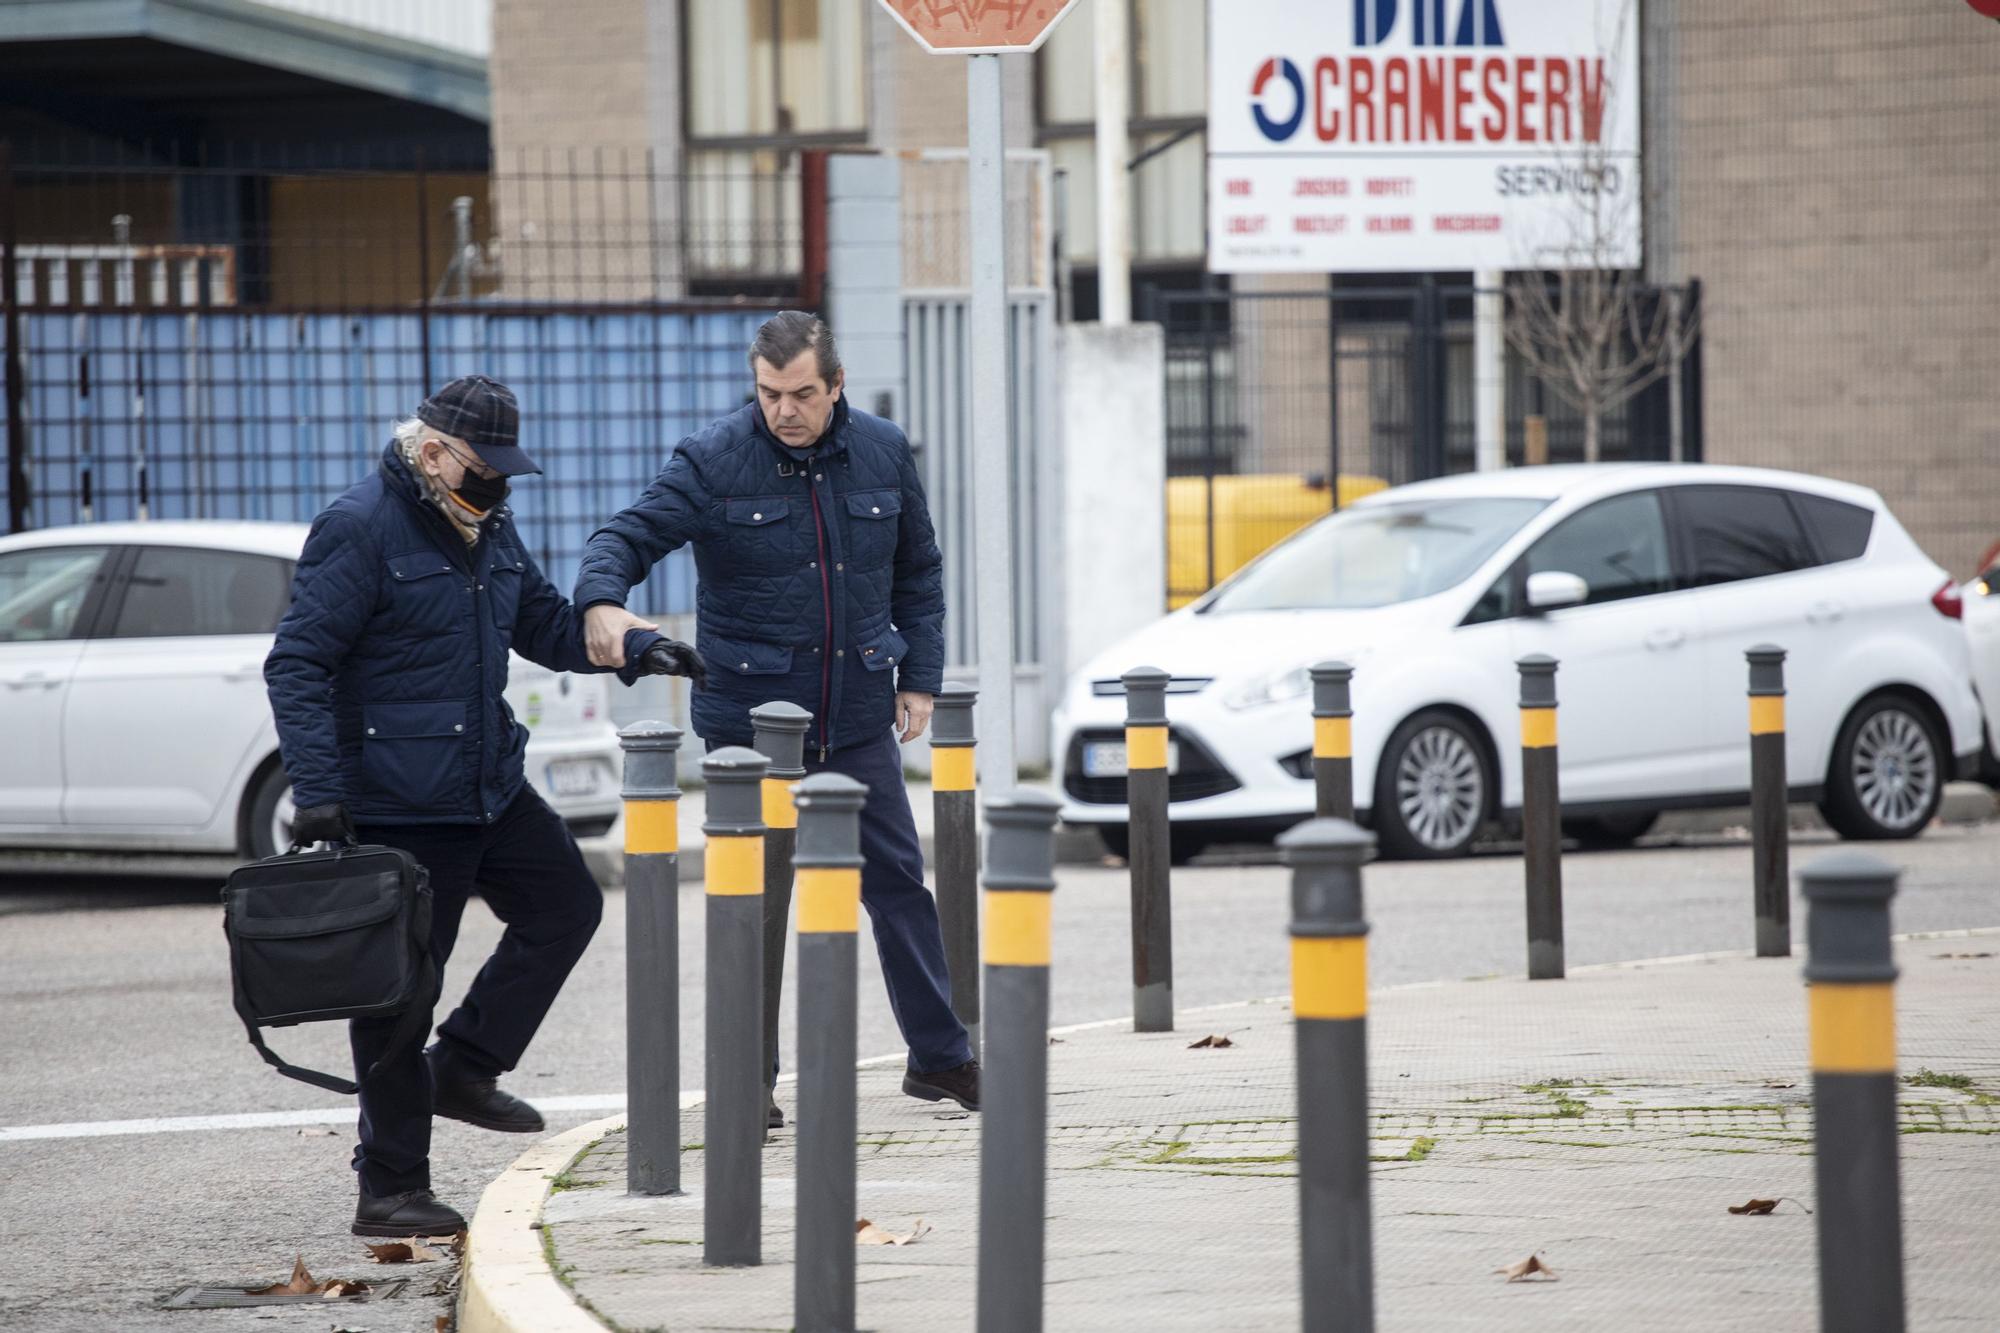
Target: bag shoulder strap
(411, 1027)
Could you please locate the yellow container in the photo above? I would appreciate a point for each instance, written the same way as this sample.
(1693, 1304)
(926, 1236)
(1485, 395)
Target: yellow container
(1253, 513)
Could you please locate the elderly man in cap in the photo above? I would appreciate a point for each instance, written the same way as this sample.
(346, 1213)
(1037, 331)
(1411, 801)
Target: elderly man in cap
(386, 680)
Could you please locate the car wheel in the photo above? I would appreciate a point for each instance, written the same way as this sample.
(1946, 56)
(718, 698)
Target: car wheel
(1431, 788)
(1887, 776)
(1606, 831)
(268, 822)
(1183, 845)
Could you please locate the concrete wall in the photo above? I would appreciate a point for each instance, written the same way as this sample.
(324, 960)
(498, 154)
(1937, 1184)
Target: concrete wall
(1836, 184)
(1113, 440)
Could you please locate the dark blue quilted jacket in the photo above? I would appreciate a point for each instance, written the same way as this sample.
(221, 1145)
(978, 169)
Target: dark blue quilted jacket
(820, 582)
(387, 672)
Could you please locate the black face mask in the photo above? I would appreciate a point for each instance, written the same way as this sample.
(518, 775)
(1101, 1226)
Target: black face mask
(480, 494)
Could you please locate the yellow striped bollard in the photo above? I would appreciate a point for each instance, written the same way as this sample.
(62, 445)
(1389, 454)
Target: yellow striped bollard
(1541, 817)
(780, 736)
(652, 958)
(955, 817)
(1147, 747)
(733, 1106)
(1333, 741)
(1330, 1019)
(1851, 1010)
(1770, 825)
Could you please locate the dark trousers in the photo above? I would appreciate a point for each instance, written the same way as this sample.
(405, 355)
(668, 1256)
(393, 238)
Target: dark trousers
(900, 907)
(528, 868)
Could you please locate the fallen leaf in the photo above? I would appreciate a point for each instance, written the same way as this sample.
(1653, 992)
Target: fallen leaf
(1760, 1207)
(404, 1252)
(1055, 1041)
(867, 1233)
(315, 1132)
(1532, 1264)
(1962, 955)
(300, 1284)
(443, 1323)
(1772, 1084)
(1211, 1043)
(340, 1288)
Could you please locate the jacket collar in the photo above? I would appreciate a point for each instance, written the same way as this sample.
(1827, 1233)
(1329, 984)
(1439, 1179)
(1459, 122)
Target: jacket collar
(396, 475)
(832, 441)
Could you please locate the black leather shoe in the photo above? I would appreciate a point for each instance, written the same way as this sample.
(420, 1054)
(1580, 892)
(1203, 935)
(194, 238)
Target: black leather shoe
(413, 1213)
(959, 1085)
(775, 1117)
(458, 1095)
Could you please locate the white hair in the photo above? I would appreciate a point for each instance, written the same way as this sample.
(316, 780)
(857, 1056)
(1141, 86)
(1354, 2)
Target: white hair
(410, 434)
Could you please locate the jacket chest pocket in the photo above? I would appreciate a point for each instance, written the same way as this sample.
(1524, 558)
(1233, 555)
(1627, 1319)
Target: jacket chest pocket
(872, 525)
(760, 539)
(503, 588)
(426, 591)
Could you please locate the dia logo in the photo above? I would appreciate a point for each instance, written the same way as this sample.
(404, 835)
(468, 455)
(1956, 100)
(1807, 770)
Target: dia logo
(1474, 22)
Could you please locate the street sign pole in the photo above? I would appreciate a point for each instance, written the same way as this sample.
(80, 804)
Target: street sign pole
(992, 480)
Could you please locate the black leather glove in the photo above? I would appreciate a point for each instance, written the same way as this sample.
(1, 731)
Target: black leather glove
(671, 657)
(322, 823)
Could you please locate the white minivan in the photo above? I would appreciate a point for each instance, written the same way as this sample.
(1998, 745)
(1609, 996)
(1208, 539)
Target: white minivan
(1646, 581)
(132, 694)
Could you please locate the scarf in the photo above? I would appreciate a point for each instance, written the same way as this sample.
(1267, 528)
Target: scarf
(463, 520)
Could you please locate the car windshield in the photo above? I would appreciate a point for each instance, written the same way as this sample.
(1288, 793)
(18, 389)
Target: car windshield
(1377, 555)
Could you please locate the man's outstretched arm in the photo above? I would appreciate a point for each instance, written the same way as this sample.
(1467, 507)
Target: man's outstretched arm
(620, 554)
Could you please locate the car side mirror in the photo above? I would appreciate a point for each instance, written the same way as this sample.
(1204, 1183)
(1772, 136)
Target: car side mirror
(1552, 589)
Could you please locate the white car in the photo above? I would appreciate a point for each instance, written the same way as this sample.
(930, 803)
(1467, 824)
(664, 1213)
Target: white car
(1647, 582)
(1982, 631)
(132, 694)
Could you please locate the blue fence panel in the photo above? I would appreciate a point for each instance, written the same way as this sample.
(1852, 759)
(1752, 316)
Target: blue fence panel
(232, 415)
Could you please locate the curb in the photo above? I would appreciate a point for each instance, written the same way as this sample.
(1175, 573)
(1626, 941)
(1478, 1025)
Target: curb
(506, 1285)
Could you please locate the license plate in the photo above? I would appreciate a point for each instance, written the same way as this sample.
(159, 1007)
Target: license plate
(575, 777)
(1106, 759)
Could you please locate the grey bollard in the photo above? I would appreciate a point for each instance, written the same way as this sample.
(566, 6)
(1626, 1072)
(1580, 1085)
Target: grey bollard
(1013, 1128)
(1851, 1008)
(733, 1110)
(955, 815)
(1151, 838)
(652, 958)
(1330, 1018)
(1541, 817)
(829, 893)
(780, 731)
(1770, 826)
(1333, 741)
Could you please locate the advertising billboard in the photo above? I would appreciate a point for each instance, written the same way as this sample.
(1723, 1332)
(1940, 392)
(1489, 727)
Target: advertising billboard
(1417, 135)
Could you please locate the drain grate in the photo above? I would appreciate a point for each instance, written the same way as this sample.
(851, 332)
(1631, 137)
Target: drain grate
(239, 1298)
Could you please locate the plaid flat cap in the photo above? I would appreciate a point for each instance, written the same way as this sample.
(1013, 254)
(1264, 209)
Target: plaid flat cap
(483, 413)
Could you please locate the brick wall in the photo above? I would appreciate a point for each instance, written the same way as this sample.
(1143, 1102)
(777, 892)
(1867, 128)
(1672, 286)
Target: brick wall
(1836, 187)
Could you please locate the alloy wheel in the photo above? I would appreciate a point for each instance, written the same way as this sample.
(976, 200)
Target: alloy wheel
(1440, 788)
(1895, 768)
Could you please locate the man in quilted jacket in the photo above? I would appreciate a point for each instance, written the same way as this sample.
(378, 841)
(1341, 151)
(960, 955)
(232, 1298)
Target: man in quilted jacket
(820, 584)
(386, 681)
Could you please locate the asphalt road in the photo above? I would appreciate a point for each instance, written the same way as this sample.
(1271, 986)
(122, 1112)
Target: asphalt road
(116, 1008)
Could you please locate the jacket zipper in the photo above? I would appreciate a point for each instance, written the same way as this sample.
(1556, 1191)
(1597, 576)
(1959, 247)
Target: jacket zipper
(826, 631)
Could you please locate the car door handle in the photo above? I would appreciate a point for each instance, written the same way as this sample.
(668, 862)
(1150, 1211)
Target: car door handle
(1825, 613)
(255, 669)
(1665, 638)
(33, 680)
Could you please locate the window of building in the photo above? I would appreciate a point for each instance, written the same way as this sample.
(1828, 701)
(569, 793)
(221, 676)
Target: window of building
(1168, 41)
(175, 590)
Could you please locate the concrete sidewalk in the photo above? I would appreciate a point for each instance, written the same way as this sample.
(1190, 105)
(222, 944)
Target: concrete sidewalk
(1606, 1121)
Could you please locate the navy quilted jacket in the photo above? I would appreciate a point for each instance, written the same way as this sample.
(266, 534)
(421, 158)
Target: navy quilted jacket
(387, 672)
(820, 579)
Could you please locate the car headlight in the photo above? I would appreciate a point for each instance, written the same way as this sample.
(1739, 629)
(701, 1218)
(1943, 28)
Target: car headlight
(1276, 688)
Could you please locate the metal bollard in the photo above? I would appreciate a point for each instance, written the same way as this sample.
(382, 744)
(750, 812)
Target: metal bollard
(1013, 1129)
(780, 730)
(1333, 741)
(829, 874)
(1151, 840)
(1770, 830)
(732, 1209)
(1330, 1013)
(1541, 817)
(1851, 1017)
(955, 812)
(652, 958)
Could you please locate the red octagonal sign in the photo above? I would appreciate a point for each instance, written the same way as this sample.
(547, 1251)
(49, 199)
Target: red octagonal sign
(1990, 8)
(978, 27)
